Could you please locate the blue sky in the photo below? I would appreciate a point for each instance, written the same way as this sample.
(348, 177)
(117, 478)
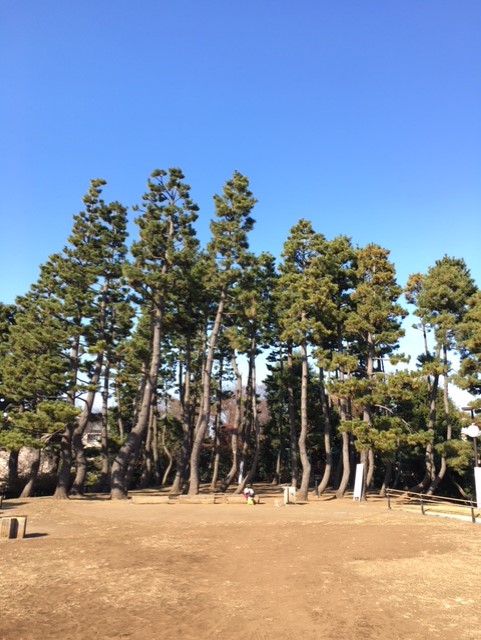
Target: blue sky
(362, 116)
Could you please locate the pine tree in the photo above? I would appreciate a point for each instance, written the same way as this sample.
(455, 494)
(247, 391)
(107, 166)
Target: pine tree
(228, 250)
(165, 250)
(304, 309)
(375, 324)
(441, 298)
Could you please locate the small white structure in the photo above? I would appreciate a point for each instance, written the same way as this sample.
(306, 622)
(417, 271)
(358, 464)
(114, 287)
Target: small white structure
(289, 495)
(358, 482)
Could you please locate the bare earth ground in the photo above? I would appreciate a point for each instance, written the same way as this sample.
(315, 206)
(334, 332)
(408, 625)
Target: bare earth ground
(326, 570)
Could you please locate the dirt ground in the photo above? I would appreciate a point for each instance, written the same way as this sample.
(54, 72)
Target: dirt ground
(329, 569)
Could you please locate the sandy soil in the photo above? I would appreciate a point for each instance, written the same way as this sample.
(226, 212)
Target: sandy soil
(326, 570)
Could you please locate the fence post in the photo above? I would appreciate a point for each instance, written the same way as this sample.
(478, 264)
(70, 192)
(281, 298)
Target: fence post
(388, 499)
(422, 504)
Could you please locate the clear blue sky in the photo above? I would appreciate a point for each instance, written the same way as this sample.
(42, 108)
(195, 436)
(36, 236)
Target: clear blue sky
(362, 116)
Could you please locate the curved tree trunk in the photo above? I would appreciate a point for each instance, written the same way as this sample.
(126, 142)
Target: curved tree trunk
(13, 484)
(346, 465)
(78, 486)
(27, 490)
(370, 469)
(63, 476)
(430, 469)
(65, 467)
(327, 436)
(129, 450)
(104, 477)
(147, 469)
(187, 411)
(236, 427)
(204, 414)
(217, 427)
(250, 476)
(387, 479)
(442, 470)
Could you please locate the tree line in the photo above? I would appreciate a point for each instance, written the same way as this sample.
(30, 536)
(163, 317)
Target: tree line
(147, 338)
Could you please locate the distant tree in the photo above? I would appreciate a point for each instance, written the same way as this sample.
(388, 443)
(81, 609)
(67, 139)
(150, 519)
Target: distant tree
(441, 298)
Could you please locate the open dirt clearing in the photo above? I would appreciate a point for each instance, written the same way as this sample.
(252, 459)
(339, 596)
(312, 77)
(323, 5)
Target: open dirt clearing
(326, 570)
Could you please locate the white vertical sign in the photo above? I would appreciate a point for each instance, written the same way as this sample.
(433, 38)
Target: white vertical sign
(358, 482)
(477, 484)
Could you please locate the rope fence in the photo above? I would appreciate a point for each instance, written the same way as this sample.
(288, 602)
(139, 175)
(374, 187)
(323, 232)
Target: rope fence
(436, 504)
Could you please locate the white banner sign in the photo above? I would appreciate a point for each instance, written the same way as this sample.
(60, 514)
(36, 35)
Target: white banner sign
(358, 482)
(477, 484)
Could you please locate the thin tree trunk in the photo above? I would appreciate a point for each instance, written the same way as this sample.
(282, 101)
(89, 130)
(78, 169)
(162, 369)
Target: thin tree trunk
(120, 421)
(168, 468)
(278, 468)
(217, 427)
(442, 470)
(387, 479)
(146, 475)
(250, 476)
(303, 490)
(346, 465)
(65, 466)
(78, 486)
(104, 478)
(186, 404)
(430, 471)
(204, 413)
(236, 427)
(346, 453)
(370, 469)
(155, 449)
(292, 420)
(327, 435)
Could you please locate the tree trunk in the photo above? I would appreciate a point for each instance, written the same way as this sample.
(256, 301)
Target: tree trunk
(65, 467)
(387, 479)
(27, 490)
(278, 469)
(442, 470)
(146, 475)
(346, 465)
(131, 446)
(168, 468)
(346, 453)
(204, 414)
(292, 420)
(78, 486)
(430, 470)
(370, 469)
(13, 479)
(104, 478)
(303, 490)
(186, 404)
(327, 436)
(236, 427)
(217, 428)
(250, 476)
